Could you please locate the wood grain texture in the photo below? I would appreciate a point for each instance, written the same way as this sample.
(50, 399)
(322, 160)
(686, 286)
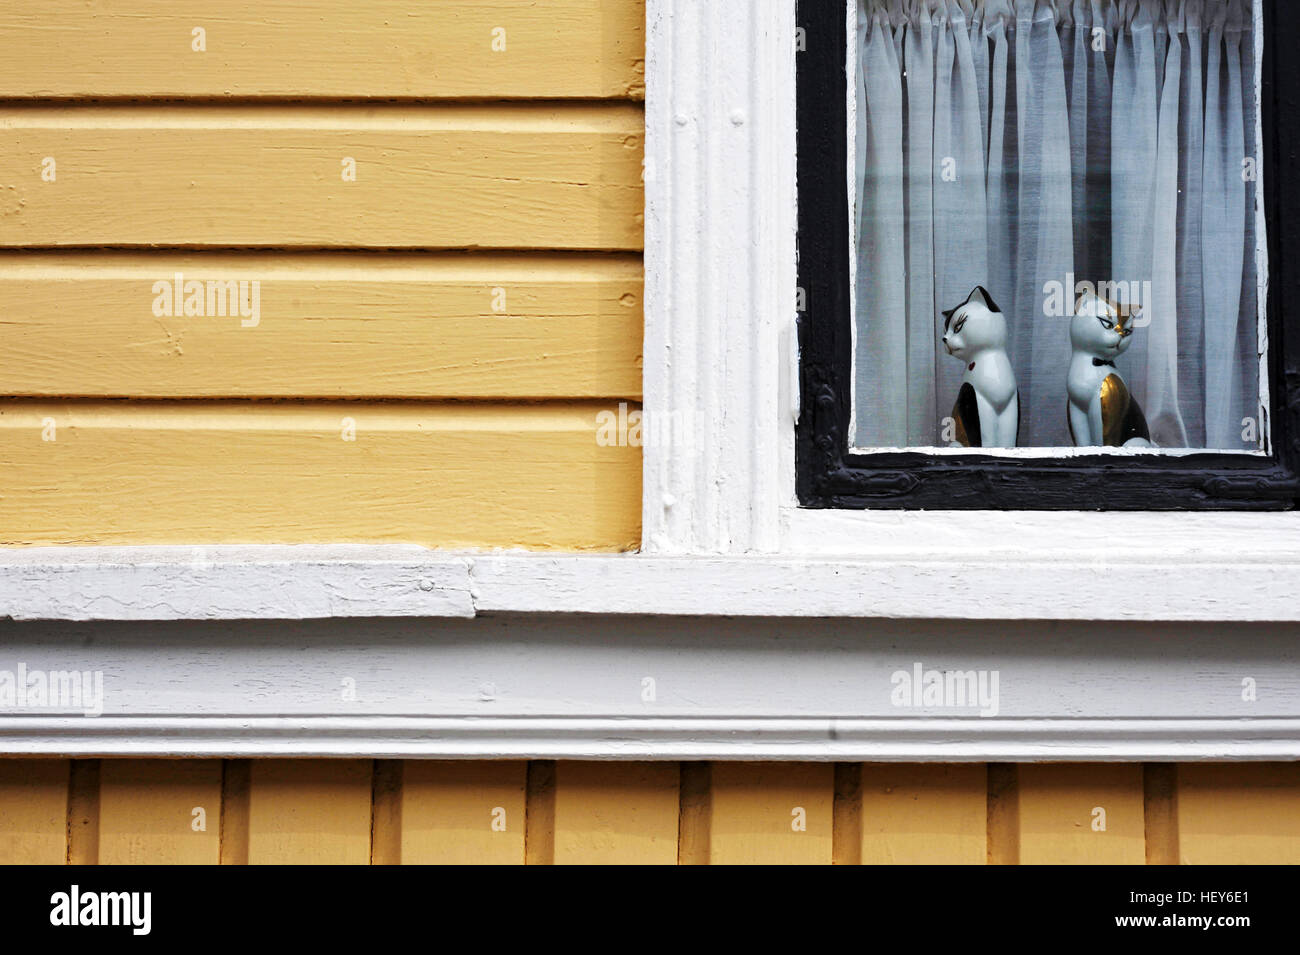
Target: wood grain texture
(624, 813)
(1239, 814)
(321, 48)
(463, 813)
(924, 814)
(309, 812)
(756, 807)
(33, 811)
(356, 326)
(147, 812)
(1057, 807)
(513, 176)
(445, 475)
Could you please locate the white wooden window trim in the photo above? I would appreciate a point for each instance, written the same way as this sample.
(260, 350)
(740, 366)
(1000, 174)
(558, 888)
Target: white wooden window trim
(721, 351)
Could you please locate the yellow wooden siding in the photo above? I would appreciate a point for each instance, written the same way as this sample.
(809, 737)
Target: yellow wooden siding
(324, 48)
(34, 811)
(447, 475)
(441, 210)
(159, 811)
(415, 811)
(923, 814)
(616, 813)
(455, 812)
(1239, 815)
(518, 176)
(309, 811)
(354, 326)
(1081, 814)
(771, 812)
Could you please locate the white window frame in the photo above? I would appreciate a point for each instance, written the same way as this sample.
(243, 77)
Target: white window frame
(722, 352)
(722, 536)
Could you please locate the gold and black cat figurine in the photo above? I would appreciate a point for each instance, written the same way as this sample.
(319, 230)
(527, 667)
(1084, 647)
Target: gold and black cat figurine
(987, 412)
(1102, 412)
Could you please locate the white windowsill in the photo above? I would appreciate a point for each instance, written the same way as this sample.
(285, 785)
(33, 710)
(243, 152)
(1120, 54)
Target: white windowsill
(902, 565)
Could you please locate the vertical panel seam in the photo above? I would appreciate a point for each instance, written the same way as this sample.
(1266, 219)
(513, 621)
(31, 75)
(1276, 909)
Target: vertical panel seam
(846, 815)
(539, 813)
(83, 812)
(1160, 813)
(695, 813)
(1003, 825)
(236, 782)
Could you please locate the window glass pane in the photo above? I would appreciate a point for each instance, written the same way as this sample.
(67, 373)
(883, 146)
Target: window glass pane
(1055, 225)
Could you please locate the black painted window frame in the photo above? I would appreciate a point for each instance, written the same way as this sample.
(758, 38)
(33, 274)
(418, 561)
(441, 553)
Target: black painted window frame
(829, 476)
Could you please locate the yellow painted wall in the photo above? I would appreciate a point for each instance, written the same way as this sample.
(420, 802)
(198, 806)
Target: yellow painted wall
(388, 812)
(441, 206)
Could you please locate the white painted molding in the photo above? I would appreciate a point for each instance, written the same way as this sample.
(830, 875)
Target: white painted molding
(917, 565)
(720, 278)
(648, 738)
(512, 686)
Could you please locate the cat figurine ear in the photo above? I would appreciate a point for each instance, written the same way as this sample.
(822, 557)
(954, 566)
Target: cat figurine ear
(1101, 411)
(987, 411)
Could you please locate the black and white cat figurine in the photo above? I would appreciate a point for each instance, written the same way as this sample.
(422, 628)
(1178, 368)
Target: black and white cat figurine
(987, 412)
(1102, 412)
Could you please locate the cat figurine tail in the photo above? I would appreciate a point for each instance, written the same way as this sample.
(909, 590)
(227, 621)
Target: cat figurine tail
(987, 411)
(1101, 410)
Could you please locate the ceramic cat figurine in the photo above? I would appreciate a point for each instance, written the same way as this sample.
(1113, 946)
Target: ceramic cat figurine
(1102, 412)
(987, 412)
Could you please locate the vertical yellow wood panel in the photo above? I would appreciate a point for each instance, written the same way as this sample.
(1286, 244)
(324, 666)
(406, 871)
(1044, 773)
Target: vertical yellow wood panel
(309, 811)
(623, 813)
(757, 809)
(1239, 813)
(924, 814)
(1058, 810)
(33, 811)
(147, 812)
(456, 812)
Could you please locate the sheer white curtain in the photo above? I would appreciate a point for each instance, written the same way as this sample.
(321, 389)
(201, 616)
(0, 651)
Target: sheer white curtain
(1024, 145)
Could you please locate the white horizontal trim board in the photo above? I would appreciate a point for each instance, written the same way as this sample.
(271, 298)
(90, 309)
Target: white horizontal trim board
(917, 565)
(231, 583)
(529, 686)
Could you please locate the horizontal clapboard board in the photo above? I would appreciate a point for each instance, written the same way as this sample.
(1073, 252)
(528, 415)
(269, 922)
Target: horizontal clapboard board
(448, 475)
(324, 48)
(516, 176)
(326, 325)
